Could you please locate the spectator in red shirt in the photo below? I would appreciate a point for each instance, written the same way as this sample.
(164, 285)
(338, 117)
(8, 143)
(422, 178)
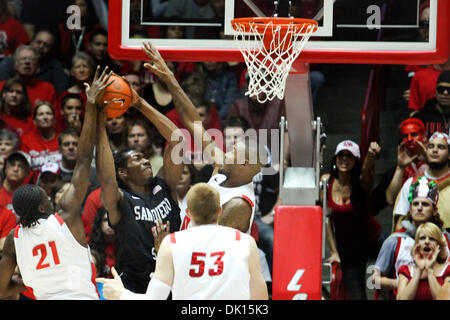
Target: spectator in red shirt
(12, 32)
(26, 60)
(423, 85)
(17, 169)
(431, 269)
(7, 223)
(15, 107)
(42, 144)
(91, 206)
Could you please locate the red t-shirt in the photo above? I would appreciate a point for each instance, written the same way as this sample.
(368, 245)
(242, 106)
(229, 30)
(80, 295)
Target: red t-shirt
(423, 87)
(423, 291)
(39, 90)
(17, 125)
(12, 35)
(6, 202)
(91, 206)
(41, 151)
(8, 222)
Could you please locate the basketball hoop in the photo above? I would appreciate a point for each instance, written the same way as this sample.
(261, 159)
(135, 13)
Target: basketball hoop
(270, 46)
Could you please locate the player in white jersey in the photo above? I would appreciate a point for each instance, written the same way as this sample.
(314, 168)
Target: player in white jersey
(50, 249)
(238, 165)
(205, 262)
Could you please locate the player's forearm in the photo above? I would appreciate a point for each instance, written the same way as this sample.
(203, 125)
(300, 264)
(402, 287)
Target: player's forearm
(185, 108)
(163, 124)
(104, 157)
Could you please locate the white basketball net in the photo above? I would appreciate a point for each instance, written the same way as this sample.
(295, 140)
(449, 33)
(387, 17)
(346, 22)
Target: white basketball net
(268, 69)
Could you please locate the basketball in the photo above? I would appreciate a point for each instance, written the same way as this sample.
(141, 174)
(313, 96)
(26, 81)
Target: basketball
(119, 89)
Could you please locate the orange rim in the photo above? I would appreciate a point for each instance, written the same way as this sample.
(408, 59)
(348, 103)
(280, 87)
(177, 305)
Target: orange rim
(283, 23)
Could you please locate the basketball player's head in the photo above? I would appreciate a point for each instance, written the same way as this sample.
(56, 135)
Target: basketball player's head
(246, 158)
(132, 168)
(203, 204)
(31, 203)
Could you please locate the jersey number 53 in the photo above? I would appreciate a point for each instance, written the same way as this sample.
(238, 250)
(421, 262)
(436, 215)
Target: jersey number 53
(198, 260)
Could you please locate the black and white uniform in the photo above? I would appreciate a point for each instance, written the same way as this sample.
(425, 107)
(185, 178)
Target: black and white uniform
(136, 255)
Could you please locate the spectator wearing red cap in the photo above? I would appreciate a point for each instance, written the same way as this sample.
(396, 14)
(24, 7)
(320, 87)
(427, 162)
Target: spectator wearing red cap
(353, 234)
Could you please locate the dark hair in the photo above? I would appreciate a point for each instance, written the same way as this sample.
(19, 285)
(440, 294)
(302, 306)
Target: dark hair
(71, 96)
(120, 162)
(358, 197)
(26, 201)
(26, 104)
(237, 121)
(96, 32)
(97, 243)
(444, 77)
(67, 132)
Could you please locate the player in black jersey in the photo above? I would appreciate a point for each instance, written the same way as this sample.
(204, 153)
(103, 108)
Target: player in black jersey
(135, 199)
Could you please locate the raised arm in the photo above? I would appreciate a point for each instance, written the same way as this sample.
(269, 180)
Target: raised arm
(106, 173)
(73, 198)
(186, 110)
(403, 160)
(368, 167)
(173, 163)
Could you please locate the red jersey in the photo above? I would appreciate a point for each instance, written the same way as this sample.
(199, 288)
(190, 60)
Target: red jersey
(12, 35)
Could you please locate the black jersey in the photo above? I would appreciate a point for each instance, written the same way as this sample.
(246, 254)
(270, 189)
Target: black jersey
(137, 255)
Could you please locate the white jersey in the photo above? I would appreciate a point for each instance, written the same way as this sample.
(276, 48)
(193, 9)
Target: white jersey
(53, 263)
(245, 192)
(210, 263)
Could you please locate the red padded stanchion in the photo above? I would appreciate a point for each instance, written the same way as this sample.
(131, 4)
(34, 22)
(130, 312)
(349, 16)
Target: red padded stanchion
(297, 261)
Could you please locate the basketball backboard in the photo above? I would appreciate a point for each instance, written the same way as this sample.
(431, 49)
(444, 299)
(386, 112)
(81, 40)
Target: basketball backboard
(363, 31)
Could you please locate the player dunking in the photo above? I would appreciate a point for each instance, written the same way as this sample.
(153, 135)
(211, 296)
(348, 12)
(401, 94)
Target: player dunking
(50, 248)
(231, 176)
(205, 262)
